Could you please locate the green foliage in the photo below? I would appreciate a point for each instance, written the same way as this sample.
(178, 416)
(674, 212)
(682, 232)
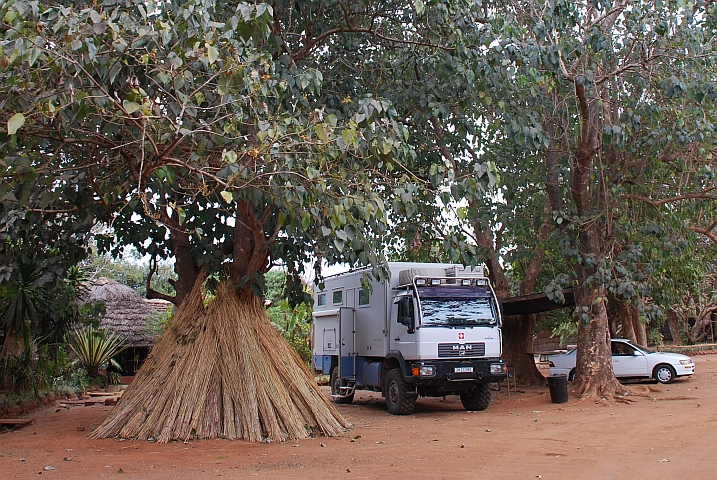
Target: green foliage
(294, 324)
(177, 126)
(157, 322)
(565, 331)
(45, 310)
(25, 299)
(131, 270)
(34, 370)
(94, 348)
(20, 371)
(275, 282)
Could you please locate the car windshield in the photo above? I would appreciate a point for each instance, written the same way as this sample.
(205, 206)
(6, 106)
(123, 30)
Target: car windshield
(642, 349)
(456, 307)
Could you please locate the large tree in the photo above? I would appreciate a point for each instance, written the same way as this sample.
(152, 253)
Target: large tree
(616, 99)
(229, 137)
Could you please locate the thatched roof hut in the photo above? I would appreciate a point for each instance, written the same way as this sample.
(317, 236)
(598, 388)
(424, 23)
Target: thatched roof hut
(127, 313)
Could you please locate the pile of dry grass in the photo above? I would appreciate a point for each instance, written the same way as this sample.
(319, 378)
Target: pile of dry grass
(222, 371)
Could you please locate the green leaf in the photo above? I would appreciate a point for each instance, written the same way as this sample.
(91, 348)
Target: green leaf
(15, 122)
(212, 53)
(227, 196)
(130, 107)
(229, 156)
(305, 221)
(321, 132)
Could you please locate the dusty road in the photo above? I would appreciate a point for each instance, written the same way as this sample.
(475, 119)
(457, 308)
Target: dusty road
(670, 433)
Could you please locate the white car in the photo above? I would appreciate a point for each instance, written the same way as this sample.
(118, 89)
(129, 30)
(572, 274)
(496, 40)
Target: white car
(631, 361)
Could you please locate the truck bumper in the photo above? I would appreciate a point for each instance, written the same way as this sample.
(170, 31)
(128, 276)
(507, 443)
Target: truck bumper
(454, 376)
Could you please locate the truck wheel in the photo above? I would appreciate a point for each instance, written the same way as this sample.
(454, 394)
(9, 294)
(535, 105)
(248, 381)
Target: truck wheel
(477, 399)
(336, 384)
(398, 400)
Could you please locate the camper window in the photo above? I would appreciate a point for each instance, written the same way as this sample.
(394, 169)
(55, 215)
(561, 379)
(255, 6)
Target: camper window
(321, 300)
(364, 297)
(338, 297)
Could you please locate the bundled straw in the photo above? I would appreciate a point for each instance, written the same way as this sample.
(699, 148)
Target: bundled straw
(226, 372)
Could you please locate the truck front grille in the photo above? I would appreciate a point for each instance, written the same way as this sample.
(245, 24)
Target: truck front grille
(463, 350)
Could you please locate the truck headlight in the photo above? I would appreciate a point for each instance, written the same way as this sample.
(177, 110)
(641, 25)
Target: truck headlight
(427, 370)
(498, 368)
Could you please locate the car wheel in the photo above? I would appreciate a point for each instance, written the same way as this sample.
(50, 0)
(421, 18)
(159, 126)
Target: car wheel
(664, 373)
(476, 399)
(398, 400)
(571, 375)
(336, 384)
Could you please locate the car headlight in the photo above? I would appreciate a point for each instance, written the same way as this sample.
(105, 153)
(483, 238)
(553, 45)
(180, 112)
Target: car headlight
(686, 362)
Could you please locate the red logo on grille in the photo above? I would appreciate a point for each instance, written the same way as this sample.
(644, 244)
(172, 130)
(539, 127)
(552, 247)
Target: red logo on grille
(461, 336)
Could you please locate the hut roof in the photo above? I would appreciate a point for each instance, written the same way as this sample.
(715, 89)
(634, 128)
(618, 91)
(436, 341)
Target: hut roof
(127, 313)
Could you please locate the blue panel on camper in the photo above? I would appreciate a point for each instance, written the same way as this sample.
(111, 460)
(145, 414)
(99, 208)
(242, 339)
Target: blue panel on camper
(322, 363)
(347, 367)
(371, 374)
(326, 364)
(360, 365)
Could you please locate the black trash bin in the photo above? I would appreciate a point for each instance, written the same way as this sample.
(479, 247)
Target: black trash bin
(558, 385)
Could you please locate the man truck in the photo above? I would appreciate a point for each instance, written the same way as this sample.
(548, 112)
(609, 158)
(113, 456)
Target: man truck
(432, 330)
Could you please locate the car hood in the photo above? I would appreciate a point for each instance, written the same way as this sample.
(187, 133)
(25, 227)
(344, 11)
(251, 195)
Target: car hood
(673, 356)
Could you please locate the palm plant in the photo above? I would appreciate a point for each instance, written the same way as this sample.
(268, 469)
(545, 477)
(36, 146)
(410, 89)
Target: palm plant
(27, 298)
(94, 348)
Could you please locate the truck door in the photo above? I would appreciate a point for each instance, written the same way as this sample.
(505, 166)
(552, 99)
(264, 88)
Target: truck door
(347, 345)
(403, 321)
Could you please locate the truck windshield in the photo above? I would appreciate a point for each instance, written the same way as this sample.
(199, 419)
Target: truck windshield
(456, 307)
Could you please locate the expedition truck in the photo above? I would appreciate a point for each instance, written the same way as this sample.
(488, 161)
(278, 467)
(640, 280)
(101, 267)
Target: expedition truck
(432, 330)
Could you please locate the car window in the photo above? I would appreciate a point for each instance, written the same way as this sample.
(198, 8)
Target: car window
(622, 349)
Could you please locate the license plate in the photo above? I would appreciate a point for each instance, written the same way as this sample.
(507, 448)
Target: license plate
(463, 370)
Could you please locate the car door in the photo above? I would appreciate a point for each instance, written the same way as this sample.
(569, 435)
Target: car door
(627, 361)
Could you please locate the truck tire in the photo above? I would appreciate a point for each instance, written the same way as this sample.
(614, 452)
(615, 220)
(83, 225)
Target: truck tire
(398, 400)
(477, 399)
(336, 382)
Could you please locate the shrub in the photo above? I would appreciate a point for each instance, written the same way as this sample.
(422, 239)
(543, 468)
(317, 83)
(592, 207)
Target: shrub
(94, 348)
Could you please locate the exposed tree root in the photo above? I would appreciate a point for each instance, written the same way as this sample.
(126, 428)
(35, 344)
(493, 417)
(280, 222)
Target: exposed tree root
(604, 391)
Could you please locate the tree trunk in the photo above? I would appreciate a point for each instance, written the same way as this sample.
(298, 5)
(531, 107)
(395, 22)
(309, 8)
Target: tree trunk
(7, 344)
(627, 329)
(517, 342)
(640, 328)
(673, 324)
(626, 315)
(594, 379)
(702, 322)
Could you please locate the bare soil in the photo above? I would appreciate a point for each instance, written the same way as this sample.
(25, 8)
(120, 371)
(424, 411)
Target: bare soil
(664, 432)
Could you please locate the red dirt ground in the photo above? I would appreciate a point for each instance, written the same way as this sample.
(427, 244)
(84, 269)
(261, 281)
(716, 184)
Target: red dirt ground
(668, 433)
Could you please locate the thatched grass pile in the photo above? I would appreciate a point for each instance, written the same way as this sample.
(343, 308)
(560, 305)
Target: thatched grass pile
(222, 371)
